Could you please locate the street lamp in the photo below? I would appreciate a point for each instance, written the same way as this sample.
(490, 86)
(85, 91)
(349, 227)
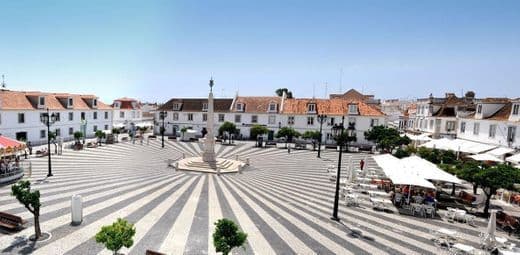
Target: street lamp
(338, 136)
(321, 118)
(162, 116)
(48, 119)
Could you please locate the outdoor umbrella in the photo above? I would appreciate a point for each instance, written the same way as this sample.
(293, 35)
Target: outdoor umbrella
(489, 238)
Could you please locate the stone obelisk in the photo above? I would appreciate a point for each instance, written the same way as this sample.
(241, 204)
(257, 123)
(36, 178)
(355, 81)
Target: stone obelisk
(208, 155)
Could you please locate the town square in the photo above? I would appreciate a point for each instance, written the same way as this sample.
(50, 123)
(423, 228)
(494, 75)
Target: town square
(259, 127)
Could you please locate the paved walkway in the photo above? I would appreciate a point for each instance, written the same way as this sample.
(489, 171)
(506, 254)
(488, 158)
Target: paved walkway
(283, 202)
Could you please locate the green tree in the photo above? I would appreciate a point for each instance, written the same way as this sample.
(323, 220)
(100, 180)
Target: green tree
(314, 135)
(401, 153)
(30, 200)
(183, 131)
(280, 91)
(227, 236)
(386, 138)
(100, 135)
(117, 235)
(257, 130)
(493, 178)
(287, 132)
(470, 171)
(227, 128)
(52, 135)
(77, 136)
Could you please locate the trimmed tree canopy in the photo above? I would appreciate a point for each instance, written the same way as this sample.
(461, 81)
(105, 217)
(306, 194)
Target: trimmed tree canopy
(386, 138)
(227, 236)
(280, 91)
(257, 130)
(493, 178)
(287, 132)
(117, 235)
(227, 127)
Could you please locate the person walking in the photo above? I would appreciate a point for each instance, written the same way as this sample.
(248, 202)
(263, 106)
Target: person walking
(361, 164)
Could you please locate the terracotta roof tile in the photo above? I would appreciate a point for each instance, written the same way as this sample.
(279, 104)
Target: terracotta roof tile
(503, 113)
(257, 104)
(195, 104)
(328, 106)
(27, 100)
(494, 100)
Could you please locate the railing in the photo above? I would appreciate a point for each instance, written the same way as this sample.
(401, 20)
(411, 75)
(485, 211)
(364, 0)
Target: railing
(10, 174)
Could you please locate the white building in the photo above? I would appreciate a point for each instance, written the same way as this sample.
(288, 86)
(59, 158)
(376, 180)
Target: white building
(272, 112)
(127, 112)
(20, 113)
(496, 121)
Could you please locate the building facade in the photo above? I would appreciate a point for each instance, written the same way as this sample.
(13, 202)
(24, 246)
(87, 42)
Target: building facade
(20, 113)
(127, 113)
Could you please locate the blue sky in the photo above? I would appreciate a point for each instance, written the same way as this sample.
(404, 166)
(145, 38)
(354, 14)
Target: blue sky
(155, 50)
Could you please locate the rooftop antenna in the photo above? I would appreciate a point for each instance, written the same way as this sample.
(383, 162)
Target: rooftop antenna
(313, 90)
(326, 89)
(340, 80)
(3, 81)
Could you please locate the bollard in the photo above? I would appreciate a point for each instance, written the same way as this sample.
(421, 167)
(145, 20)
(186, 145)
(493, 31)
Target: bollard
(76, 209)
(247, 161)
(183, 155)
(236, 157)
(177, 165)
(239, 169)
(218, 170)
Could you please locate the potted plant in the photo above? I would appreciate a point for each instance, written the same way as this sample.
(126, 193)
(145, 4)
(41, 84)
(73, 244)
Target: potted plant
(77, 143)
(100, 135)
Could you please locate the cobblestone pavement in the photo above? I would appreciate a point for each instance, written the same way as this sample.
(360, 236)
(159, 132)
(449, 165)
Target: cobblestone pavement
(283, 201)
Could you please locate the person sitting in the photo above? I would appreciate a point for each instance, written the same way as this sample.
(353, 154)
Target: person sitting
(429, 200)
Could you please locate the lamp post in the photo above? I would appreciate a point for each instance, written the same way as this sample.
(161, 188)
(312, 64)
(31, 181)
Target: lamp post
(48, 119)
(162, 116)
(338, 135)
(84, 128)
(321, 118)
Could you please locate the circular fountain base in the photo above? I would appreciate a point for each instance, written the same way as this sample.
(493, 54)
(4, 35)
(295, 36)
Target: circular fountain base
(221, 165)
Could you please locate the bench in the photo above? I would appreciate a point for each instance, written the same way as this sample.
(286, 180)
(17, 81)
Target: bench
(10, 221)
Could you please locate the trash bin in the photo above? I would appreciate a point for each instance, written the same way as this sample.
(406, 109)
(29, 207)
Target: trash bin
(76, 209)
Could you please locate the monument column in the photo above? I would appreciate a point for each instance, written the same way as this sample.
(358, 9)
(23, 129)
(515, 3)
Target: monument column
(209, 142)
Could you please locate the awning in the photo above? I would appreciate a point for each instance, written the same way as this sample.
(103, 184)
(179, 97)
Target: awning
(119, 125)
(9, 146)
(428, 170)
(458, 145)
(420, 138)
(485, 157)
(144, 124)
(500, 151)
(515, 159)
(399, 174)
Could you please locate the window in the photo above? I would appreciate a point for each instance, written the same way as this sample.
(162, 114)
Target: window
(352, 121)
(463, 127)
(431, 124)
(175, 116)
(41, 101)
(238, 118)
(272, 107)
(42, 133)
(254, 119)
(290, 120)
(57, 116)
(94, 102)
(21, 117)
(476, 128)
(71, 131)
(311, 108)
(176, 106)
(240, 107)
(133, 114)
(310, 121)
(479, 108)
(106, 127)
(117, 104)
(221, 118)
(71, 116)
(95, 115)
(204, 106)
(352, 109)
(122, 115)
(70, 102)
(272, 119)
(83, 116)
(515, 109)
(374, 122)
(331, 122)
(106, 115)
(492, 131)
(94, 128)
(450, 126)
(330, 136)
(190, 116)
(58, 132)
(511, 133)
(204, 117)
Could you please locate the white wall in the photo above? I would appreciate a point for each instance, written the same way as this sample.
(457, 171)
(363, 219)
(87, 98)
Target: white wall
(483, 135)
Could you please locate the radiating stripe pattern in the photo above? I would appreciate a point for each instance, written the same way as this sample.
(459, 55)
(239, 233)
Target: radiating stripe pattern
(282, 201)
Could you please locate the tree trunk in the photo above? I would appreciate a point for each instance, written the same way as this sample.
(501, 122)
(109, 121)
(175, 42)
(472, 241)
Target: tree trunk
(453, 189)
(475, 186)
(488, 200)
(37, 230)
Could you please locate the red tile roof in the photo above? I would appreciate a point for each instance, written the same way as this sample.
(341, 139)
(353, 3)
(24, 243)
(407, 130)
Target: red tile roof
(27, 100)
(328, 106)
(256, 104)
